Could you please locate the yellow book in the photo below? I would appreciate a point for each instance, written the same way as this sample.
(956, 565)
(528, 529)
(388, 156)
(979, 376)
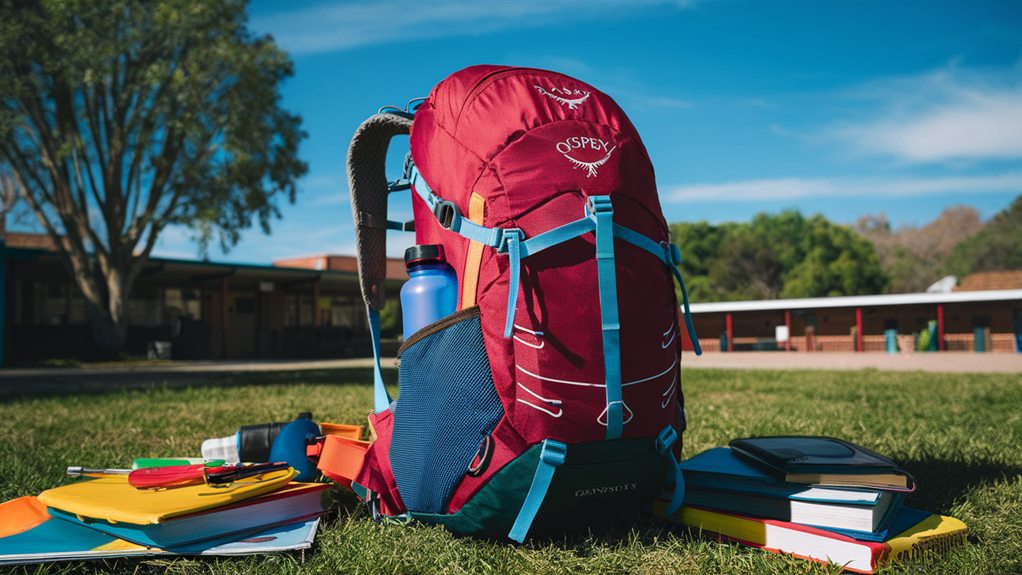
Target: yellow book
(936, 533)
(114, 500)
(926, 532)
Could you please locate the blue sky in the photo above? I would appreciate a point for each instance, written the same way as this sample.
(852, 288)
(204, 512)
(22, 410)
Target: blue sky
(839, 108)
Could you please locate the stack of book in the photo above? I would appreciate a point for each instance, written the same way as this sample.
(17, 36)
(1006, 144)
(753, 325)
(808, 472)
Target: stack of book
(813, 497)
(107, 518)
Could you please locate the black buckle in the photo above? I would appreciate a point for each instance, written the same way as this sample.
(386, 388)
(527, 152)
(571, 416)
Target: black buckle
(446, 214)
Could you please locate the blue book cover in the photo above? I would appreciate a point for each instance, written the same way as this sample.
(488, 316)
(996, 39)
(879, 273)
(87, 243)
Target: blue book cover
(722, 470)
(719, 479)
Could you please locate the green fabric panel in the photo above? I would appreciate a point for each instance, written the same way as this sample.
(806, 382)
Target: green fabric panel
(598, 481)
(492, 510)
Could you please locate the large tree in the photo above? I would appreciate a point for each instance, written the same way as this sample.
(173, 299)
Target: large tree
(121, 117)
(914, 257)
(997, 247)
(780, 255)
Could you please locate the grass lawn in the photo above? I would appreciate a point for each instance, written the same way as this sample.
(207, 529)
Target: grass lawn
(958, 434)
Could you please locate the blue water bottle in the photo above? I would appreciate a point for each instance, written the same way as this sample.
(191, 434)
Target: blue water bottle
(431, 291)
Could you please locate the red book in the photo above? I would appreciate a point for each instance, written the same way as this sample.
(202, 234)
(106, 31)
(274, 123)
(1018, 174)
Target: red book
(916, 532)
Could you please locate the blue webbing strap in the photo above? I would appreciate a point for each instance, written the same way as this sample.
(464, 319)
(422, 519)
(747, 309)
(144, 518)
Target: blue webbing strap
(665, 439)
(558, 235)
(670, 255)
(492, 237)
(381, 399)
(514, 254)
(607, 275)
(550, 458)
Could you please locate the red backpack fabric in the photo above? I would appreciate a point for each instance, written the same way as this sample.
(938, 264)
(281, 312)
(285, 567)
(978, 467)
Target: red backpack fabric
(555, 387)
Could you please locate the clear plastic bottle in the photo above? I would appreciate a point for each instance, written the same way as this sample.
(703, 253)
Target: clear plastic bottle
(431, 291)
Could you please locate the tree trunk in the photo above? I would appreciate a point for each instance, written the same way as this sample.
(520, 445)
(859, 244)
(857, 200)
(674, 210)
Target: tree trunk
(108, 334)
(109, 318)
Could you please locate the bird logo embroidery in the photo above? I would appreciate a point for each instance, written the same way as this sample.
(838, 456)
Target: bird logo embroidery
(571, 103)
(591, 167)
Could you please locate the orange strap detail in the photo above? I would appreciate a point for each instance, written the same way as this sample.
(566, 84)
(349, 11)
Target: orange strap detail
(341, 458)
(474, 258)
(341, 429)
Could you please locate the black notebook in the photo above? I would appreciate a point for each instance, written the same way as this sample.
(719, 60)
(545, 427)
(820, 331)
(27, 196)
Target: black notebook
(823, 461)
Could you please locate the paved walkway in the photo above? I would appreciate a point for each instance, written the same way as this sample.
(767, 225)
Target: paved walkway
(47, 380)
(958, 362)
(100, 379)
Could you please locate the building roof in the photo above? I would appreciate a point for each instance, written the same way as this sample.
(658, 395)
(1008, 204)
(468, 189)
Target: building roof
(334, 265)
(28, 241)
(859, 301)
(991, 281)
(395, 267)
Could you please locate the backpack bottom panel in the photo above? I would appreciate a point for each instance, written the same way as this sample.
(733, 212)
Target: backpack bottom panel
(598, 483)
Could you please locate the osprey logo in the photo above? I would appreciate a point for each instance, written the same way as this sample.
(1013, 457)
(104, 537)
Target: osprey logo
(558, 95)
(579, 142)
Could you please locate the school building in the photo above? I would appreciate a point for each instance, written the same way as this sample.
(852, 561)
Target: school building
(983, 314)
(311, 307)
(307, 307)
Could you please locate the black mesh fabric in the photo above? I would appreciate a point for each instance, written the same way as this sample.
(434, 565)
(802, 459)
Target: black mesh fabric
(367, 181)
(446, 407)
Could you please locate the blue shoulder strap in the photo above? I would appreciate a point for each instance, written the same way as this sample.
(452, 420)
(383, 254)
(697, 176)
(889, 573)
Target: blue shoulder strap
(381, 399)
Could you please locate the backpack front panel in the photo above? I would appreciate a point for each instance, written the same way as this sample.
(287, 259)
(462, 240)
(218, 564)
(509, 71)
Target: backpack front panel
(515, 139)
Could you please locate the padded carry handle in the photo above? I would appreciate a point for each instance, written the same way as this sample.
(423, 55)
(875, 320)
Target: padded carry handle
(367, 180)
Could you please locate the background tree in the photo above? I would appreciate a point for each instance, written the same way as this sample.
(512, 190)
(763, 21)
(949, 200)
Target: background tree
(781, 255)
(915, 257)
(121, 117)
(997, 247)
(8, 197)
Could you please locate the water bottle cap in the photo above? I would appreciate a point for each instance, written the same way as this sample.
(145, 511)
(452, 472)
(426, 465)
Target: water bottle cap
(424, 253)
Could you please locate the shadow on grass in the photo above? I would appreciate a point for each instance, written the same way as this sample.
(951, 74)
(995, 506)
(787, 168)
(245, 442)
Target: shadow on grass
(85, 383)
(941, 483)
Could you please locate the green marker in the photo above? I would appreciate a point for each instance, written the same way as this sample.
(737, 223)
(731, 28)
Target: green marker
(144, 462)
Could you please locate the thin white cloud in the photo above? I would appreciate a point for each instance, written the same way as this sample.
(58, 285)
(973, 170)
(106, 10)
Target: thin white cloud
(335, 26)
(803, 188)
(337, 198)
(952, 115)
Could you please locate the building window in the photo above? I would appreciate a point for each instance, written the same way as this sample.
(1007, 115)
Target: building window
(298, 310)
(182, 303)
(51, 304)
(290, 310)
(145, 308)
(305, 313)
(342, 311)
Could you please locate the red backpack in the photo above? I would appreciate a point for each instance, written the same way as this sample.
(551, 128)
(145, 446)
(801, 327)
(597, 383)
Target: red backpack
(551, 399)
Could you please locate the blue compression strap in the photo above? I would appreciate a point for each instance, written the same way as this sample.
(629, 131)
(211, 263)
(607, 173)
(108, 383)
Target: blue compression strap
(558, 235)
(514, 254)
(670, 255)
(675, 479)
(381, 399)
(607, 274)
(550, 458)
